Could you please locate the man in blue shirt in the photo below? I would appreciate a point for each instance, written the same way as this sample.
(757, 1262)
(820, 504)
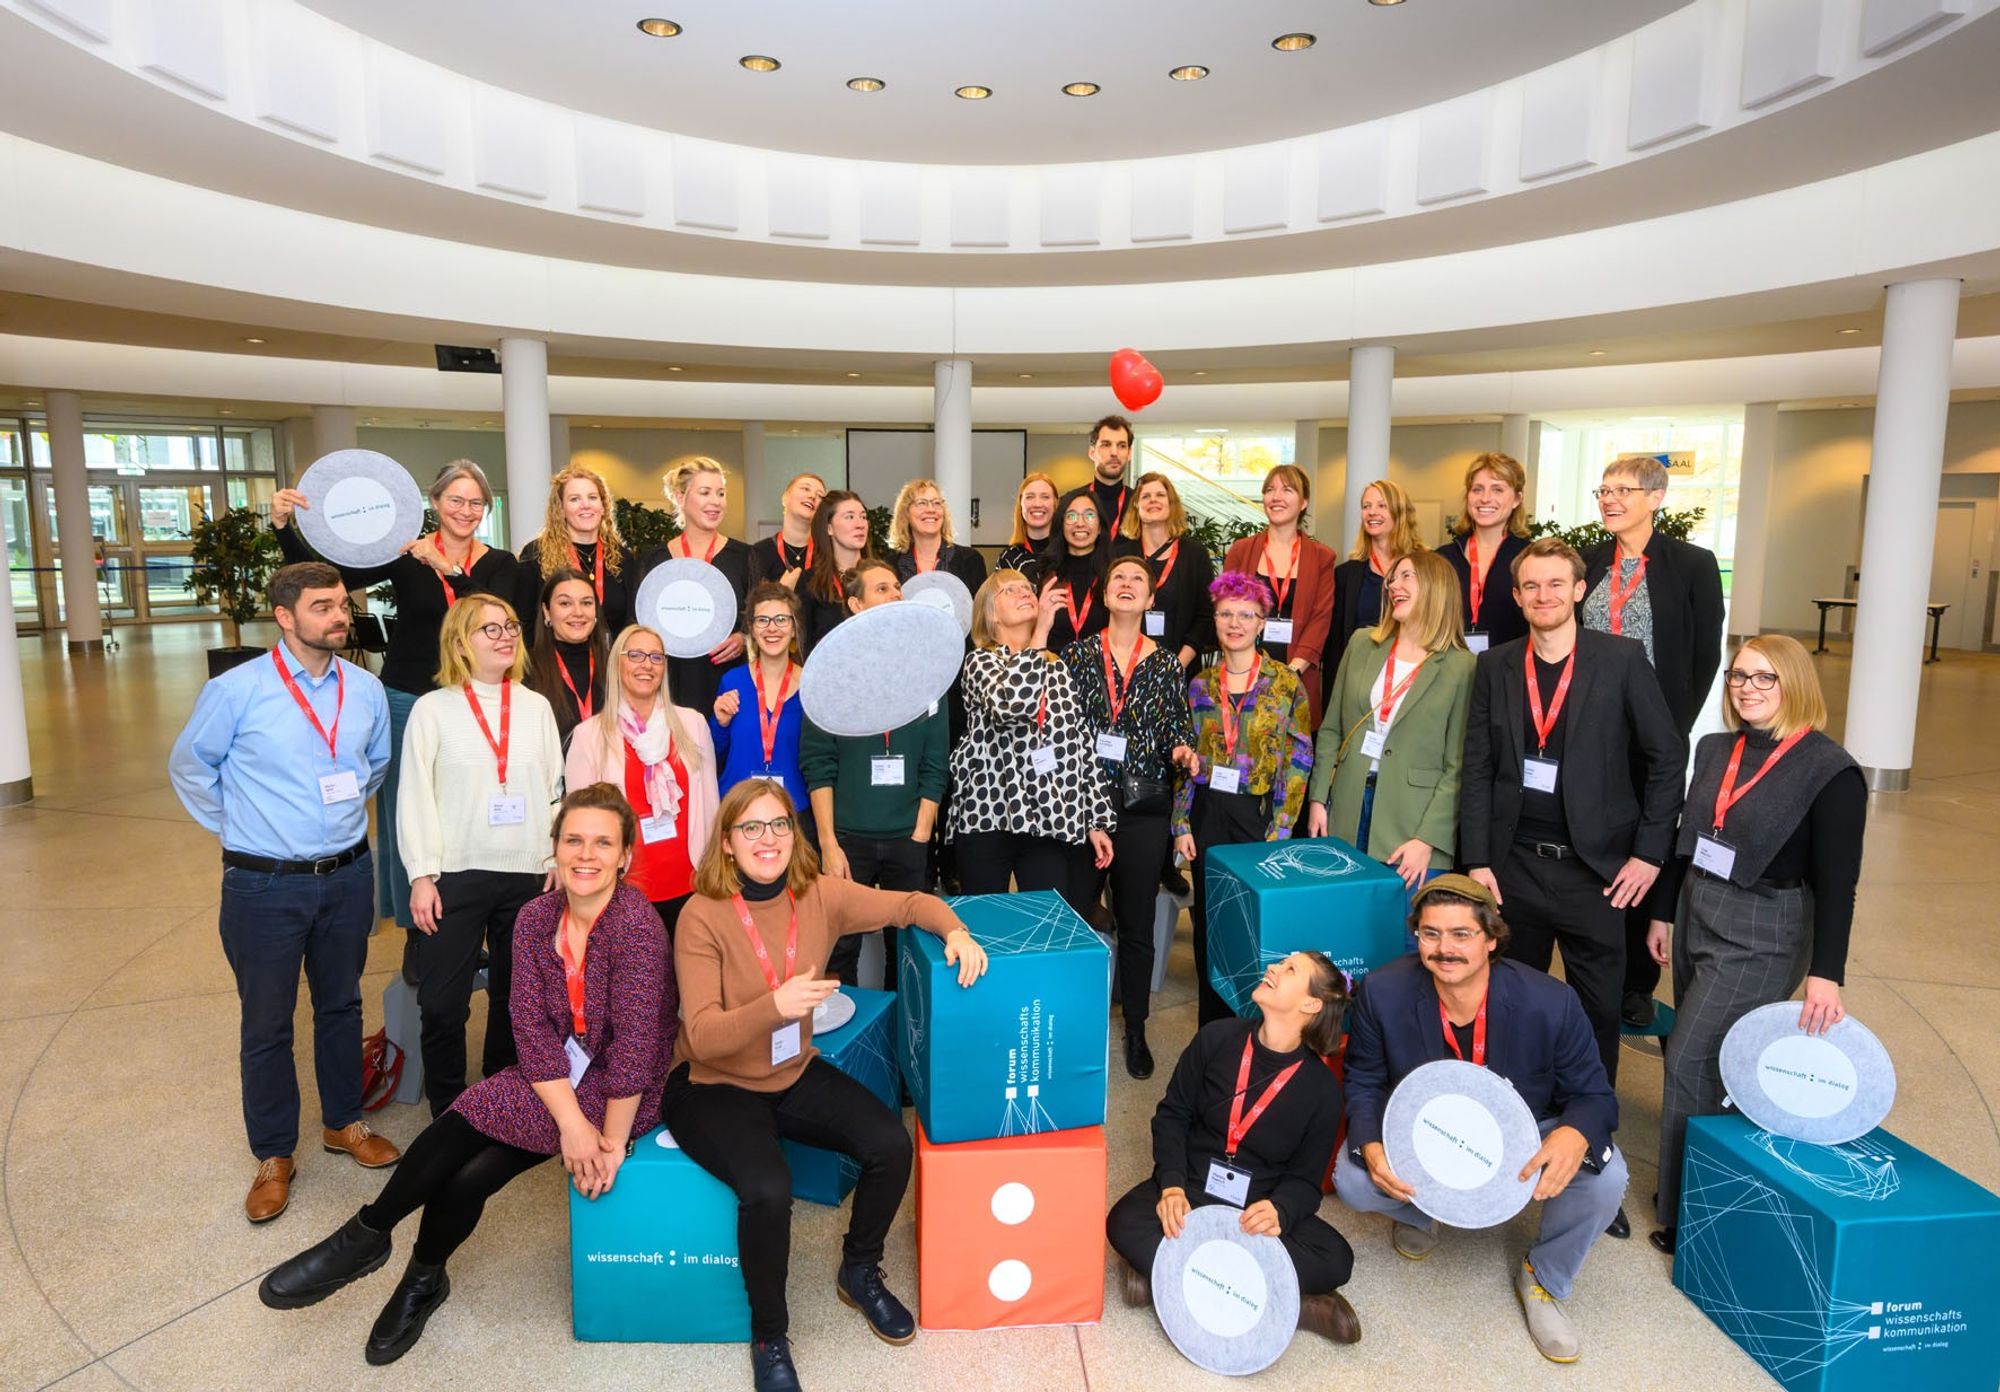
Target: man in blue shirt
(279, 760)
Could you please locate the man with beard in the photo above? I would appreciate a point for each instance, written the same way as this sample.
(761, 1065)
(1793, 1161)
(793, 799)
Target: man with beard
(1458, 997)
(279, 759)
(1110, 458)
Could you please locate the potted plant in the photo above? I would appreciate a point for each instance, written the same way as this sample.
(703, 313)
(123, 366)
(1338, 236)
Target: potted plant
(233, 557)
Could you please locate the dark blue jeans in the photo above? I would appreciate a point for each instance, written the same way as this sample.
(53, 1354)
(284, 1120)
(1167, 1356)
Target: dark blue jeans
(272, 925)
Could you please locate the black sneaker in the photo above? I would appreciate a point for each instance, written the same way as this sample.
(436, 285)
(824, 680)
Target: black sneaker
(323, 1268)
(860, 1285)
(771, 1367)
(411, 1305)
(1637, 1010)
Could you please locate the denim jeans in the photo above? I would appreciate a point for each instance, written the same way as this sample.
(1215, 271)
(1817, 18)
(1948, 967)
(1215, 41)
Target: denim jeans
(271, 926)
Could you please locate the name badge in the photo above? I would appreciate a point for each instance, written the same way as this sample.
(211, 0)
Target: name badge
(1112, 747)
(1224, 779)
(1156, 623)
(339, 787)
(886, 771)
(502, 810)
(579, 1061)
(1715, 856)
(659, 827)
(1538, 775)
(784, 1043)
(1477, 641)
(1228, 1183)
(1043, 759)
(1277, 630)
(1372, 742)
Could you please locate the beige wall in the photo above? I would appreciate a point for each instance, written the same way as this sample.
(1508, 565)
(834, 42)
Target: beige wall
(1062, 458)
(636, 462)
(1427, 460)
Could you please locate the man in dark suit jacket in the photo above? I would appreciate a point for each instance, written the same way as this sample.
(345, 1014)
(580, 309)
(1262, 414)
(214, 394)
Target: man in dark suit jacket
(1551, 817)
(1667, 594)
(1535, 1036)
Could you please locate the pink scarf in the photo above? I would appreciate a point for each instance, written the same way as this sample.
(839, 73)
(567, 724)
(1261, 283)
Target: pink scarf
(652, 741)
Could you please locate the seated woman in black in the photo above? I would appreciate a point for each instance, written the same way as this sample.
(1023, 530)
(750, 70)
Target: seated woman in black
(1250, 1118)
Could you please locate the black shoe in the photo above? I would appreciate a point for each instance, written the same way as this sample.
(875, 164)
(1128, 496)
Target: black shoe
(771, 1367)
(1637, 1010)
(323, 1268)
(1175, 882)
(1663, 1241)
(401, 1323)
(1621, 1226)
(1138, 1058)
(860, 1285)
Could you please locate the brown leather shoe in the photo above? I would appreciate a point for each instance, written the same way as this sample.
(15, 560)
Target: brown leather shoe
(271, 1190)
(370, 1151)
(1330, 1316)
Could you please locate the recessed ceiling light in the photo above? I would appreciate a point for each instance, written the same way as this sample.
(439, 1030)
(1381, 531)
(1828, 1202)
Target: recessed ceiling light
(1848, 405)
(1025, 376)
(1385, 2)
(1080, 89)
(31, 403)
(1847, 331)
(1188, 72)
(227, 412)
(865, 84)
(1597, 352)
(659, 28)
(253, 340)
(676, 369)
(758, 62)
(854, 374)
(1201, 372)
(974, 92)
(1293, 43)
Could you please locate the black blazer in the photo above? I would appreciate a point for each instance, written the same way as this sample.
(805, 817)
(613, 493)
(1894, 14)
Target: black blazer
(1536, 1038)
(1347, 616)
(1684, 585)
(960, 560)
(1499, 615)
(1614, 705)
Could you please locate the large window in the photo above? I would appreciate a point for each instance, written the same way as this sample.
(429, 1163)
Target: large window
(1218, 472)
(140, 448)
(1707, 463)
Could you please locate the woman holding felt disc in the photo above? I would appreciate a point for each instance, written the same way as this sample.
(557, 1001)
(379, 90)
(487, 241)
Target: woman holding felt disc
(750, 957)
(698, 491)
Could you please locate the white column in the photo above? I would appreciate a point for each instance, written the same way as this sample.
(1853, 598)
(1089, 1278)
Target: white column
(760, 495)
(951, 420)
(1753, 518)
(1912, 393)
(17, 784)
(558, 444)
(524, 406)
(1514, 438)
(84, 619)
(1371, 373)
(333, 429)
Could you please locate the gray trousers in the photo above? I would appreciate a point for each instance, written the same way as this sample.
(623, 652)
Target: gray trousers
(1734, 950)
(1571, 1221)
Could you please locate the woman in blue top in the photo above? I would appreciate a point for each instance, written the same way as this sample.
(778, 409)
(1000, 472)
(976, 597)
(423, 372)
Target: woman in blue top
(757, 716)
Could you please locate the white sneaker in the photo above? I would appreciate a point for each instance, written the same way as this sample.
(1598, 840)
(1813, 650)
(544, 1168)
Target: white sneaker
(1549, 1325)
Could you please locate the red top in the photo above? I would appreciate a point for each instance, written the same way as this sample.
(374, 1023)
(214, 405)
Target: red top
(661, 870)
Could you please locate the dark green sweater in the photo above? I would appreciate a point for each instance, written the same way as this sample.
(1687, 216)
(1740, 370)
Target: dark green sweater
(842, 763)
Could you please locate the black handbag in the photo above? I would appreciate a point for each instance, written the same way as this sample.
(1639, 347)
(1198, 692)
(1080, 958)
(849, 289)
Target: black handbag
(1144, 796)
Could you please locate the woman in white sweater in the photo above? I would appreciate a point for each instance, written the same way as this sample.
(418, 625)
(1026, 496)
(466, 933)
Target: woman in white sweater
(482, 773)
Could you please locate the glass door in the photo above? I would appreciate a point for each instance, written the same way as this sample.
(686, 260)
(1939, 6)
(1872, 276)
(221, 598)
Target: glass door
(23, 583)
(167, 514)
(115, 561)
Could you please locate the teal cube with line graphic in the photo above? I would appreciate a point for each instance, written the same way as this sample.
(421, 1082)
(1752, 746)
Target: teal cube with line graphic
(1269, 899)
(1021, 1051)
(865, 1050)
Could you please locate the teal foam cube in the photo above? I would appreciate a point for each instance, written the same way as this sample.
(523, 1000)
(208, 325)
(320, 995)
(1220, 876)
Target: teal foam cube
(865, 1050)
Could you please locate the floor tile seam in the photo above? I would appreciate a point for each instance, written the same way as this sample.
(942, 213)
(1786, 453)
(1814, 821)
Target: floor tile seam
(1977, 1090)
(1928, 981)
(179, 922)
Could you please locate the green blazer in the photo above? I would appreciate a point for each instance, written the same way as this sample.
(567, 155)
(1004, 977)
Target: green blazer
(1416, 788)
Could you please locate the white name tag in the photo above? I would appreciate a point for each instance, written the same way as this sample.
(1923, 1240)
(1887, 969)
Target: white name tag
(579, 1061)
(1372, 742)
(659, 827)
(1042, 760)
(1718, 858)
(886, 771)
(1477, 642)
(502, 810)
(1224, 779)
(339, 787)
(1228, 1183)
(1156, 623)
(784, 1043)
(1277, 630)
(1538, 775)
(1112, 747)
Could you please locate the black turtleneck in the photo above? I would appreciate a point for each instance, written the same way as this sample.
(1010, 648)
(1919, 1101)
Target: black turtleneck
(1084, 575)
(757, 892)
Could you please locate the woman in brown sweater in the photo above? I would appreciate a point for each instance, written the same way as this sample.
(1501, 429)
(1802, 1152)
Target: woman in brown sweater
(750, 957)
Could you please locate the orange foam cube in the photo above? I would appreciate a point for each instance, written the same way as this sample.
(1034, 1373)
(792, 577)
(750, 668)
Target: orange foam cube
(1010, 1232)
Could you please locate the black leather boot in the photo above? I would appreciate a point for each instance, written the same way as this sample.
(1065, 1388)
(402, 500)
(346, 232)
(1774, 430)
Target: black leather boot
(771, 1367)
(401, 1323)
(860, 1285)
(354, 1250)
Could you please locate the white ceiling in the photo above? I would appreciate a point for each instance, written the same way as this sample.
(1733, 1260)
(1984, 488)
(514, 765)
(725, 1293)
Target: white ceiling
(1369, 61)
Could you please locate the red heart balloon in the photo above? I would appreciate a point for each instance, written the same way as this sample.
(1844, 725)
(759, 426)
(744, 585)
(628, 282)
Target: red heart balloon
(1134, 381)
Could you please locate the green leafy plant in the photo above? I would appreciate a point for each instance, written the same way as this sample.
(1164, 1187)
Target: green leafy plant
(878, 529)
(642, 527)
(233, 557)
(1216, 536)
(1668, 522)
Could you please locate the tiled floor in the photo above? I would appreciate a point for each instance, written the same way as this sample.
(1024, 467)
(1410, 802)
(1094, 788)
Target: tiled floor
(126, 1260)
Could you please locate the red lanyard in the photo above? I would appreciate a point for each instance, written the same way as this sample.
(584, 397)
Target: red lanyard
(767, 721)
(597, 569)
(499, 746)
(1478, 578)
(1375, 563)
(807, 563)
(340, 699)
(1478, 1033)
(582, 698)
(1239, 1124)
(1173, 555)
(917, 558)
(572, 974)
(1621, 597)
(1544, 726)
(1392, 694)
(709, 555)
(1230, 713)
(1728, 795)
(1281, 585)
(1076, 619)
(791, 939)
(1113, 696)
(450, 595)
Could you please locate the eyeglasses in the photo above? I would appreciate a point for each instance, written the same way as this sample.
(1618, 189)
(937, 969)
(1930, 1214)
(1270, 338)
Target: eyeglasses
(780, 827)
(496, 631)
(462, 504)
(927, 505)
(1761, 681)
(771, 621)
(1238, 616)
(1458, 937)
(1079, 517)
(647, 659)
(1620, 491)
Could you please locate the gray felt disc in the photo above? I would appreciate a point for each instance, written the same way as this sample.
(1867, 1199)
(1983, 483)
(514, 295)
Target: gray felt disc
(364, 508)
(690, 603)
(1827, 1088)
(1229, 1302)
(833, 1012)
(881, 669)
(942, 590)
(1458, 1134)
